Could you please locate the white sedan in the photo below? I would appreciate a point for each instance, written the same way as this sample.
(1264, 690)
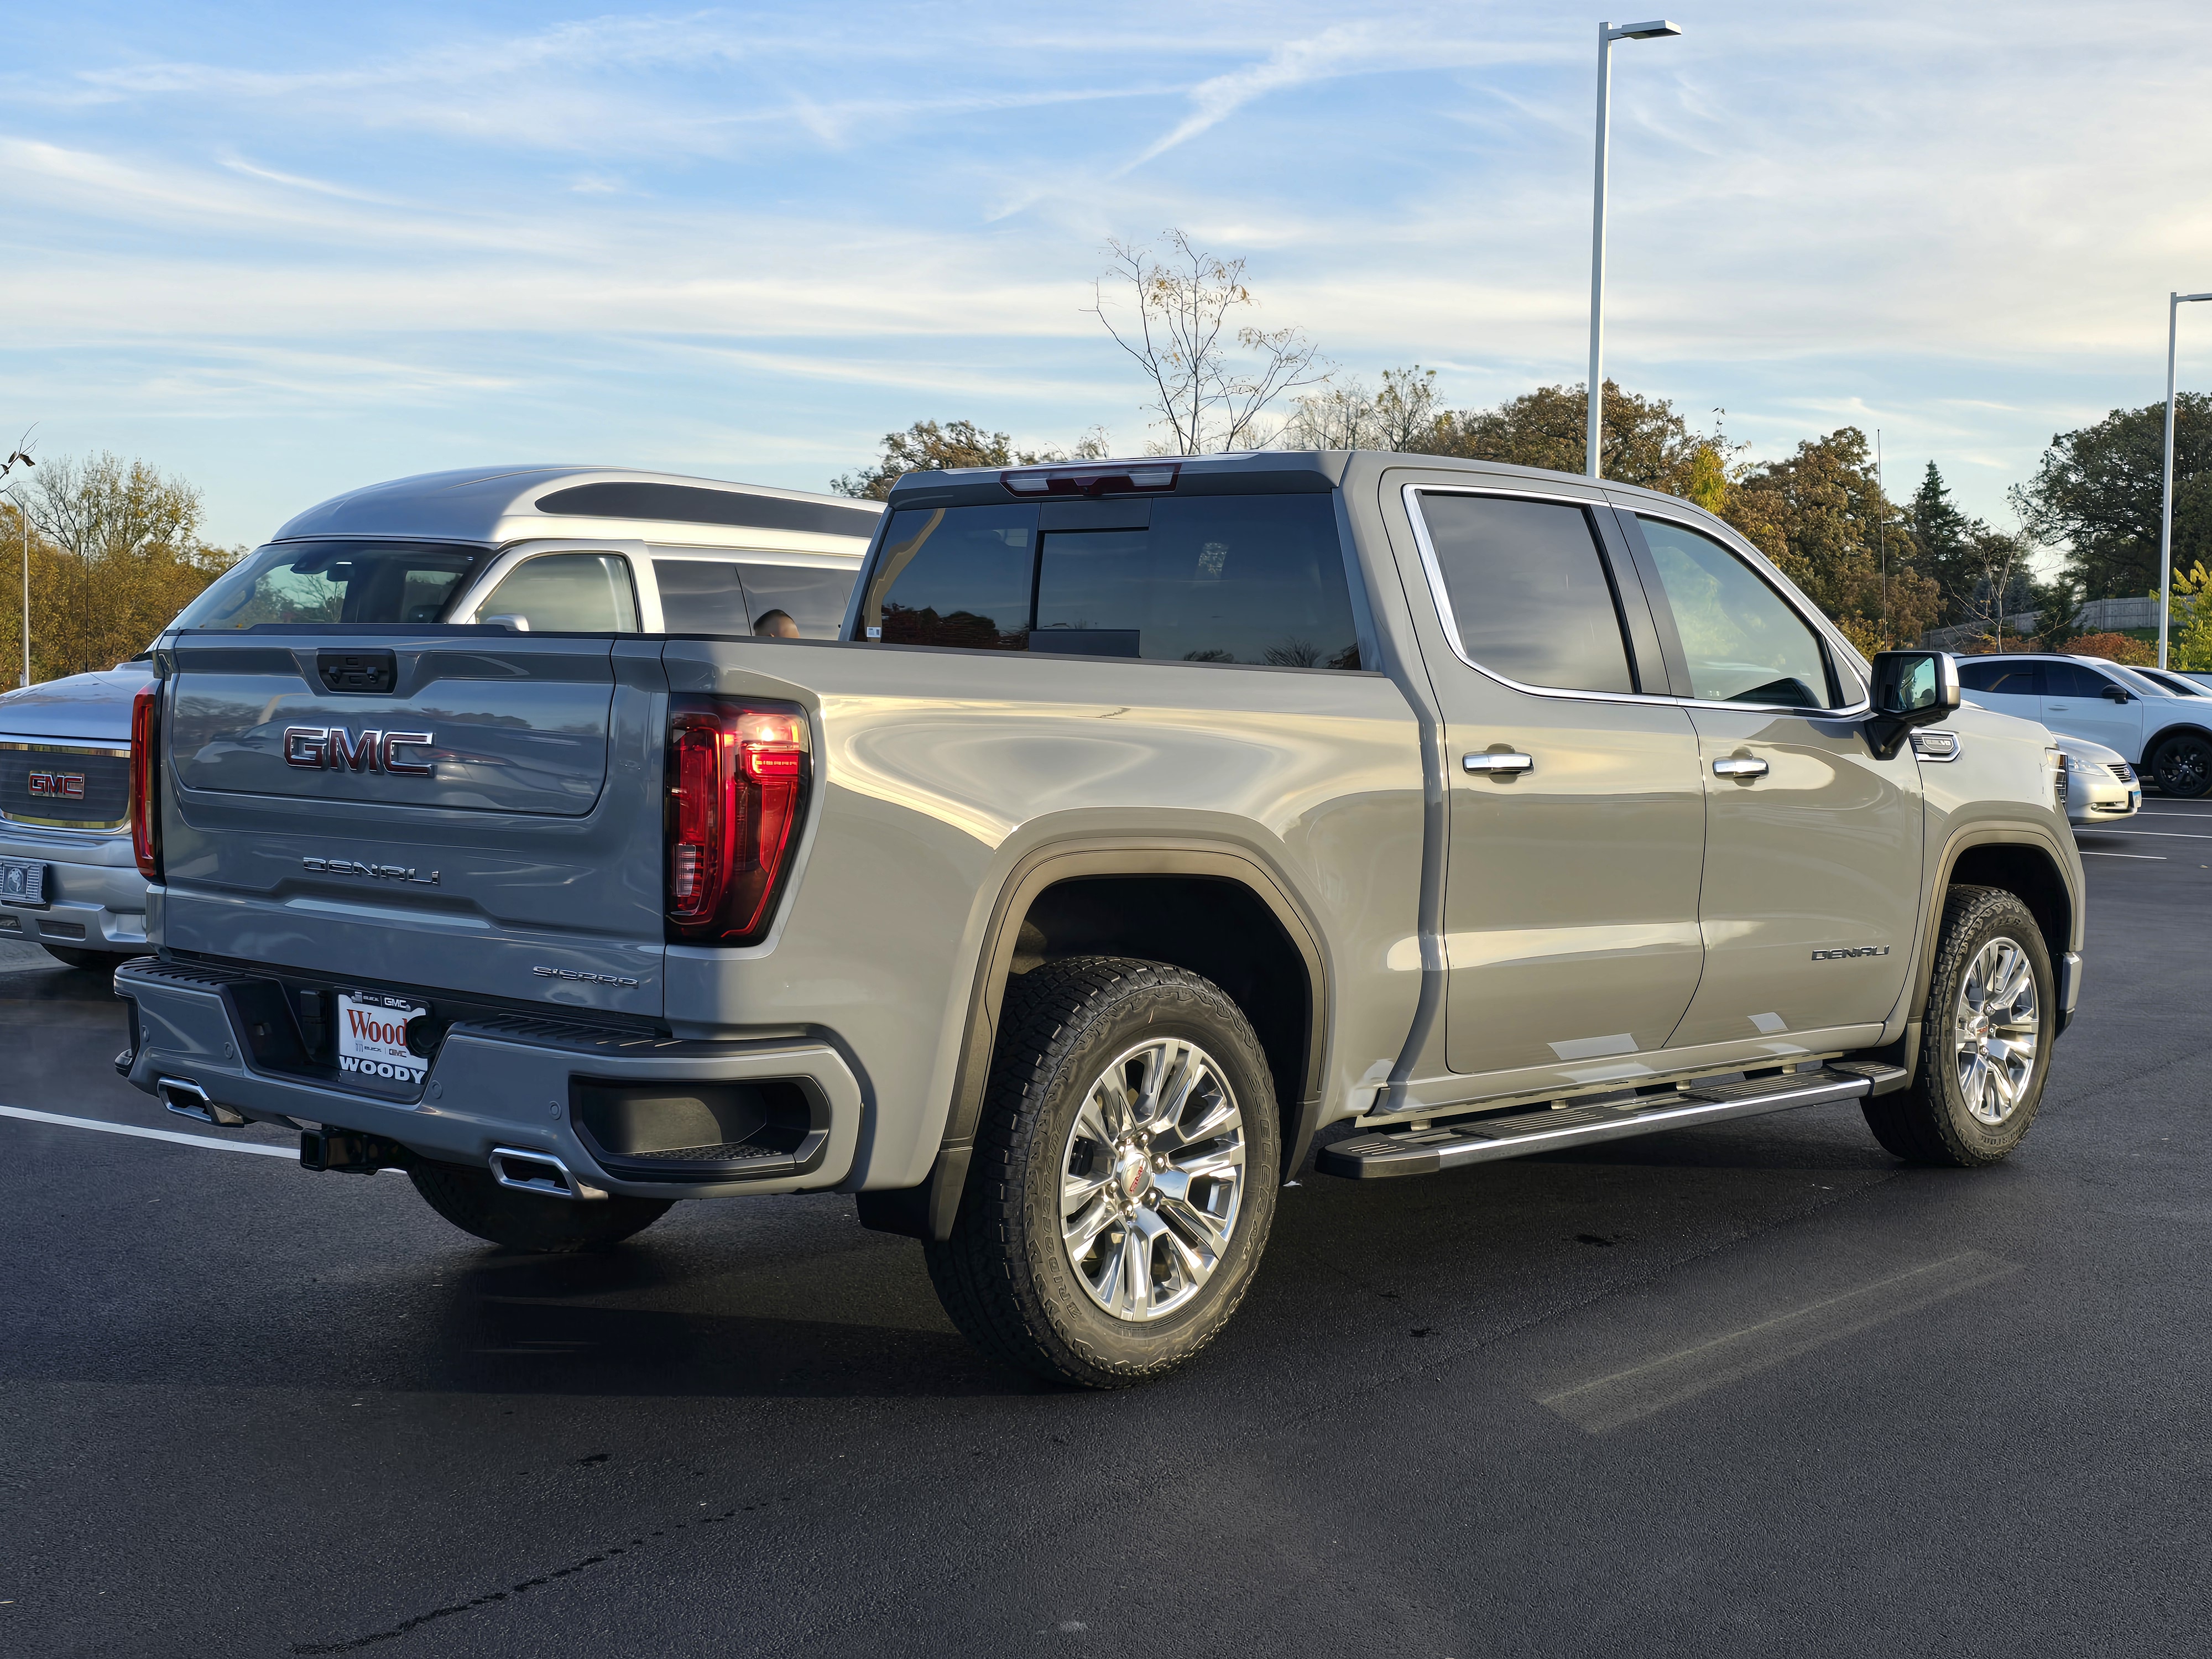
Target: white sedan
(2100, 786)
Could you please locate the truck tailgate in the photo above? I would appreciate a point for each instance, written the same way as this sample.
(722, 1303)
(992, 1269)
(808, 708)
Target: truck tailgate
(475, 813)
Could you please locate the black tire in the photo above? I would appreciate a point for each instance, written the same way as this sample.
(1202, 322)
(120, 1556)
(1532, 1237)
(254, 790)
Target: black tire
(91, 961)
(1931, 1121)
(1004, 1276)
(2183, 765)
(469, 1199)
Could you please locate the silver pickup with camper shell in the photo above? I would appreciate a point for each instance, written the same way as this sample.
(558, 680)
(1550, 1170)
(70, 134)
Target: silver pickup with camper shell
(1151, 828)
(522, 547)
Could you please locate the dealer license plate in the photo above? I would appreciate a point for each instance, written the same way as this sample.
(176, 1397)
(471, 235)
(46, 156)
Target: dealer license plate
(373, 1037)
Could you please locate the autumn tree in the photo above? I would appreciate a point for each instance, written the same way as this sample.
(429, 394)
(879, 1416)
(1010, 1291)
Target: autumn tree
(115, 555)
(1213, 375)
(2096, 495)
(1647, 442)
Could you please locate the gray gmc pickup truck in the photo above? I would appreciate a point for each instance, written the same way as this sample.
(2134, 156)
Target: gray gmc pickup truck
(1152, 828)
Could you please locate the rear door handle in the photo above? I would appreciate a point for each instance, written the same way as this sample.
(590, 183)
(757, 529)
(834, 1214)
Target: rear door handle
(1495, 763)
(1740, 766)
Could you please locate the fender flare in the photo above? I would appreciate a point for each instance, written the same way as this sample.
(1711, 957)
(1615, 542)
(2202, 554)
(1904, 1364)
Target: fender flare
(928, 1211)
(1963, 841)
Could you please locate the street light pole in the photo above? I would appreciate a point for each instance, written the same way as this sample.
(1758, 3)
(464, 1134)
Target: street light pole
(1607, 34)
(22, 454)
(2175, 302)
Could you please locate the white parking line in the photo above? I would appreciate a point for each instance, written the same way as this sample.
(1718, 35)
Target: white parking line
(208, 1141)
(2085, 853)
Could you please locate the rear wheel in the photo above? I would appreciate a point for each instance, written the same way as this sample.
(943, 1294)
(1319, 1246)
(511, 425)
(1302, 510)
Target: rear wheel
(1124, 1176)
(1984, 1050)
(469, 1199)
(2183, 765)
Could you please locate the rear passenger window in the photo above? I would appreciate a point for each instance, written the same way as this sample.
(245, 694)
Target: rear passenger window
(811, 596)
(1257, 580)
(2067, 680)
(1528, 592)
(2001, 679)
(566, 593)
(701, 596)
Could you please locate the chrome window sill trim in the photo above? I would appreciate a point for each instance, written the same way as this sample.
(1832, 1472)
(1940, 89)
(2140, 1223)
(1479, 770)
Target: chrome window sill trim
(1434, 572)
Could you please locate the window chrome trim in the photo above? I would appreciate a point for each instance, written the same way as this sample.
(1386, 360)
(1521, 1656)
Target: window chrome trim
(1413, 492)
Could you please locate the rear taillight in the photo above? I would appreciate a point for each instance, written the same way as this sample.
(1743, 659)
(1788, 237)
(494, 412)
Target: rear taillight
(145, 779)
(738, 775)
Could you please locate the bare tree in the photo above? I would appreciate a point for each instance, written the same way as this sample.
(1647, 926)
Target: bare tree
(1210, 379)
(1402, 415)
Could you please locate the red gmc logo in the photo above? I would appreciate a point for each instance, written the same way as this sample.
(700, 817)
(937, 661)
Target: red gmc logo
(58, 785)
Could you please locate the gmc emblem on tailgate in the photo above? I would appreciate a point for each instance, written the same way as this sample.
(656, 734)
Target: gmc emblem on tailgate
(334, 749)
(58, 785)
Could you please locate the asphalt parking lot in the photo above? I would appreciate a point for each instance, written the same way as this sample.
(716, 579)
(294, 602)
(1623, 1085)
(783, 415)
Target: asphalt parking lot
(1749, 1389)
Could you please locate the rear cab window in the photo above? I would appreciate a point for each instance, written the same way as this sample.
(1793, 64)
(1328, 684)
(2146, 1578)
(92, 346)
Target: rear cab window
(336, 581)
(1256, 580)
(728, 596)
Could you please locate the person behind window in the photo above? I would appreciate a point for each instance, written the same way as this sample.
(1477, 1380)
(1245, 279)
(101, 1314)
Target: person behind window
(775, 625)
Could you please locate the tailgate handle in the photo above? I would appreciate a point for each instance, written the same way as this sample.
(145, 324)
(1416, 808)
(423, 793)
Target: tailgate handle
(357, 671)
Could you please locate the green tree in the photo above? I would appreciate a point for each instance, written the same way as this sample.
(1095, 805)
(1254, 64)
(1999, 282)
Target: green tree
(1821, 516)
(927, 447)
(1943, 544)
(1646, 440)
(2096, 494)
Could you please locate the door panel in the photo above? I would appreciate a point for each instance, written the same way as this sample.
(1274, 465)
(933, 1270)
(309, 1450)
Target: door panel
(1570, 901)
(1570, 898)
(2074, 701)
(1820, 853)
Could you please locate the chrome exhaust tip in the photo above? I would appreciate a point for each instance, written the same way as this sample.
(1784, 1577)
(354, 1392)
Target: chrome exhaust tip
(542, 1173)
(187, 1099)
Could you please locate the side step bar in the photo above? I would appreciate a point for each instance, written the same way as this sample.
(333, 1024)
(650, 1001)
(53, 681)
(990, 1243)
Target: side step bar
(1480, 1140)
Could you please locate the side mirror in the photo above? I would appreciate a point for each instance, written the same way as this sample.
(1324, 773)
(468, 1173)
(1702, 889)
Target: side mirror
(2119, 694)
(1911, 688)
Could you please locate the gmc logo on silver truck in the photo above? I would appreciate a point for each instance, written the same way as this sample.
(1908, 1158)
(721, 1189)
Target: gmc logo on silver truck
(334, 749)
(58, 785)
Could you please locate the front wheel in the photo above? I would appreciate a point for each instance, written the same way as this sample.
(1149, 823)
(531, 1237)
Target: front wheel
(1985, 1049)
(469, 1199)
(1124, 1176)
(2183, 765)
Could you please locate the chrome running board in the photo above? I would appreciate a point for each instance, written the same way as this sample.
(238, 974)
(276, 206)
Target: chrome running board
(1480, 1140)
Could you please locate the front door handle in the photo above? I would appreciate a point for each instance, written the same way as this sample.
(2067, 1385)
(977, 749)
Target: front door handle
(1497, 764)
(1740, 766)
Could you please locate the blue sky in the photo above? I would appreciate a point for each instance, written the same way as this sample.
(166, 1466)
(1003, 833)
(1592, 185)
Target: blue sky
(285, 250)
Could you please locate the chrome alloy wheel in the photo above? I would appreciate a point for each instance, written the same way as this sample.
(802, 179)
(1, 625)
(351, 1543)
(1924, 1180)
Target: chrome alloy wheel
(1152, 1179)
(1995, 1031)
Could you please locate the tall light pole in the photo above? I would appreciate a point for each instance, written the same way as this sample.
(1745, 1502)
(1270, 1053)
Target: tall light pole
(2173, 304)
(22, 513)
(1607, 34)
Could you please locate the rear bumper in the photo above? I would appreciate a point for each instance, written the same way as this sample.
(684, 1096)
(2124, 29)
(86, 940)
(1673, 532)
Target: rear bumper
(95, 897)
(506, 1084)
